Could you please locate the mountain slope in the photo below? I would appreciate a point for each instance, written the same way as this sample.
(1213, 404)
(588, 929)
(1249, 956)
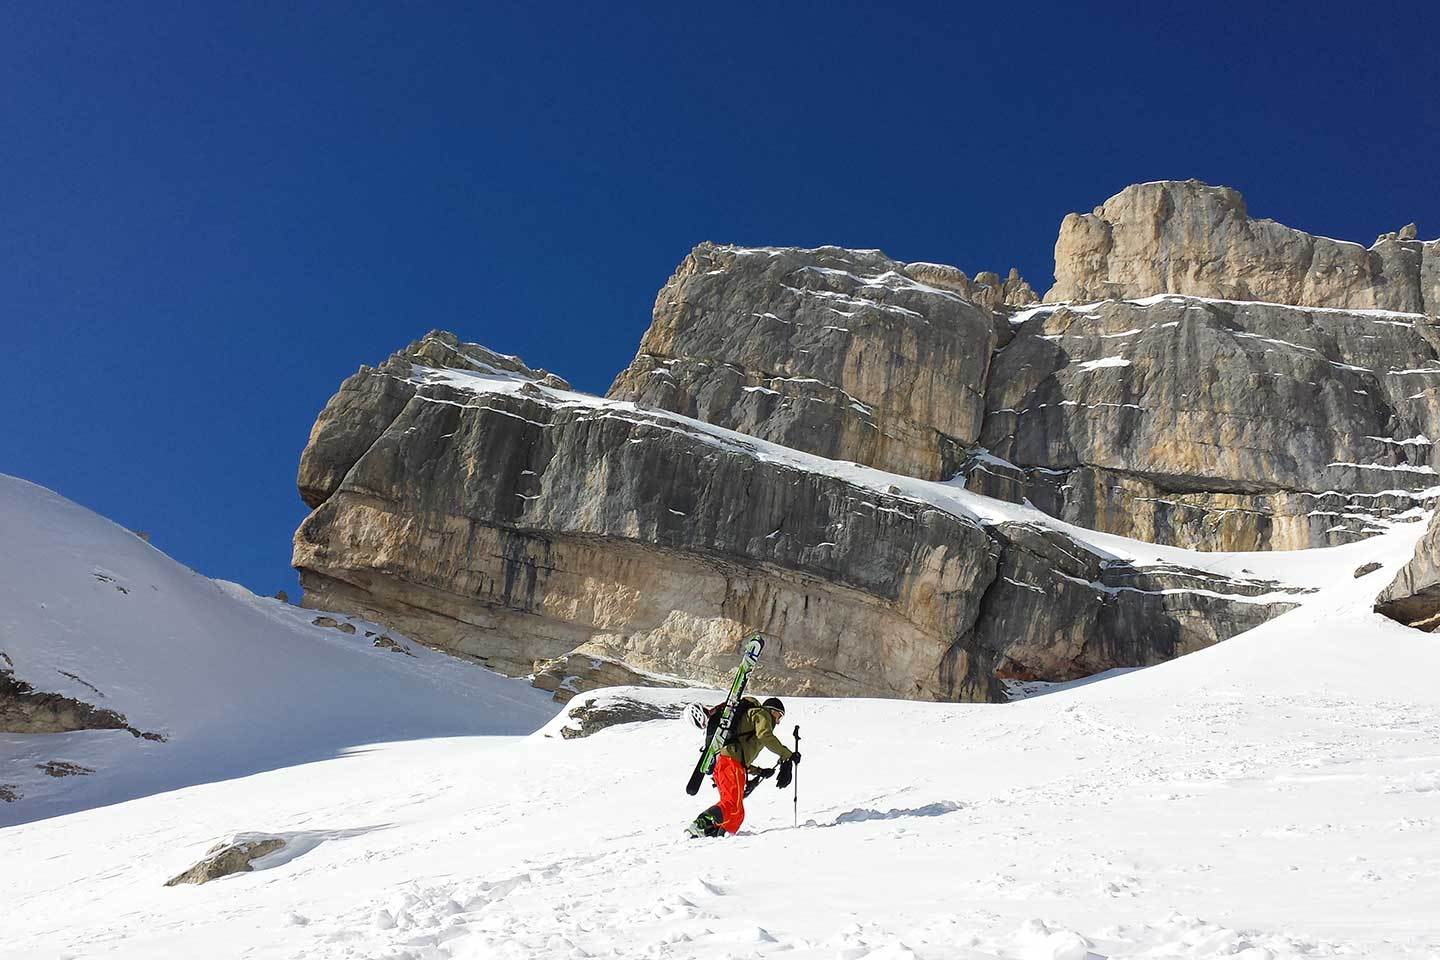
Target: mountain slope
(233, 683)
(1270, 797)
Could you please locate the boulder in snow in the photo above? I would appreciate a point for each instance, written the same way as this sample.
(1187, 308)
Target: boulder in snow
(229, 857)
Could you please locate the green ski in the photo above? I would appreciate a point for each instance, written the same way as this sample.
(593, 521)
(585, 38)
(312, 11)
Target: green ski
(717, 740)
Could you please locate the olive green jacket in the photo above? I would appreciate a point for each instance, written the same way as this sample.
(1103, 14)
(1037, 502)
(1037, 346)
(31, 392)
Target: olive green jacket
(756, 731)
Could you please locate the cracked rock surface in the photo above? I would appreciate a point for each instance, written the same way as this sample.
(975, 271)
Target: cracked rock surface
(591, 542)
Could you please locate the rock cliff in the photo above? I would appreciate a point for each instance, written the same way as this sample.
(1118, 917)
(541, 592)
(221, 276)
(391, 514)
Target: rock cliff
(1188, 237)
(1214, 425)
(774, 459)
(594, 542)
(1413, 597)
(1211, 425)
(843, 353)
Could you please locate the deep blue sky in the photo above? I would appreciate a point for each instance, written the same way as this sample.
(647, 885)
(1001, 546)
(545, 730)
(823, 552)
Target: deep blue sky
(211, 214)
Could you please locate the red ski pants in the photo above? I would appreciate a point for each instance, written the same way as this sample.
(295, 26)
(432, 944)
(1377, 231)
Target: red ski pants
(729, 778)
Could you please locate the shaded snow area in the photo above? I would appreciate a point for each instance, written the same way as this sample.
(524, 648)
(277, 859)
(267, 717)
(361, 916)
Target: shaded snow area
(234, 684)
(1275, 796)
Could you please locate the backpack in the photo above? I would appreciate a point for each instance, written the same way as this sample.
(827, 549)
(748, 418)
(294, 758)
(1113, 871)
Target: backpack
(712, 719)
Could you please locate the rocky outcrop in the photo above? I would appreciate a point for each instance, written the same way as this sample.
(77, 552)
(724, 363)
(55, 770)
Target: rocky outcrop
(1253, 388)
(1307, 427)
(587, 540)
(1187, 237)
(1215, 425)
(587, 715)
(1413, 597)
(842, 353)
(229, 857)
(23, 709)
(63, 768)
(366, 404)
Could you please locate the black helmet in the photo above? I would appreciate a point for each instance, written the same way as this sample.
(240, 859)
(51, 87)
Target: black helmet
(774, 704)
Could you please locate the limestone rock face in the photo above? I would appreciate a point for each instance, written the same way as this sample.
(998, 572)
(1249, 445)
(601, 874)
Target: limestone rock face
(1188, 237)
(842, 353)
(1214, 425)
(584, 540)
(367, 404)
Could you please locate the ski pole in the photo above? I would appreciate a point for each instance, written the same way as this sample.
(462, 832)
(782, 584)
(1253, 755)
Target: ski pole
(795, 782)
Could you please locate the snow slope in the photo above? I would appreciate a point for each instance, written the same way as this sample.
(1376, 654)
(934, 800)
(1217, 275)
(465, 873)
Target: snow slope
(1275, 796)
(236, 684)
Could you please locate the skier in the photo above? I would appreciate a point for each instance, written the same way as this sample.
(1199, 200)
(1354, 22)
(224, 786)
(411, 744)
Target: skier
(755, 730)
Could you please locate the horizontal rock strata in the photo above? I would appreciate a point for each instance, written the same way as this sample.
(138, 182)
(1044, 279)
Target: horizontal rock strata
(1215, 425)
(540, 530)
(842, 353)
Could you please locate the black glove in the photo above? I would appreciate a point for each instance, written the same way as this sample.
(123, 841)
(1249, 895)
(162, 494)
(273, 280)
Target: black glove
(795, 757)
(786, 771)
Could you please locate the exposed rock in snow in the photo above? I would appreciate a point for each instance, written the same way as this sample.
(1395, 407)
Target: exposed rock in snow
(1188, 237)
(229, 857)
(23, 709)
(1413, 597)
(600, 709)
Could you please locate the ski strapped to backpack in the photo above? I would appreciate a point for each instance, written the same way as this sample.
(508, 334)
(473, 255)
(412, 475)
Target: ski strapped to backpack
(718, 733)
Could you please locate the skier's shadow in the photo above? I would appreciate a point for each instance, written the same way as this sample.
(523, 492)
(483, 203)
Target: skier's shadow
(863, 814)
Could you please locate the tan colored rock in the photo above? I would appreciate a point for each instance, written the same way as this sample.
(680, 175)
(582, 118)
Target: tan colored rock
(1188, 237)
(1413, 597)
(228, 858)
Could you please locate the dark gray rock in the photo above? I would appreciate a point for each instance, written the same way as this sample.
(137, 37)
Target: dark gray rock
(600, 713)
(63, 768)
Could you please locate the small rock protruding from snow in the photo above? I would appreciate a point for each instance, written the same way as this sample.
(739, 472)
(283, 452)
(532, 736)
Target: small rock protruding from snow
(227, 858)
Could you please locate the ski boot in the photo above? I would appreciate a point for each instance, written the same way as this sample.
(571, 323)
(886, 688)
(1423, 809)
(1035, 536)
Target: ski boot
(707, 824)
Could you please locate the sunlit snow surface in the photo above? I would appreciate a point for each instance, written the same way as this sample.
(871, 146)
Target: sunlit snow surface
(235, 683)
(1274, 796)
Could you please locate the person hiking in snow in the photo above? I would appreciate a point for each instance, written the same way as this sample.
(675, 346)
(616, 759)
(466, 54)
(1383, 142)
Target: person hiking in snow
(754, 731)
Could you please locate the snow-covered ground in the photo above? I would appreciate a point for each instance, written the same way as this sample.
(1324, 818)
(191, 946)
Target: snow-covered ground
(235, 684)
(1275, 796)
